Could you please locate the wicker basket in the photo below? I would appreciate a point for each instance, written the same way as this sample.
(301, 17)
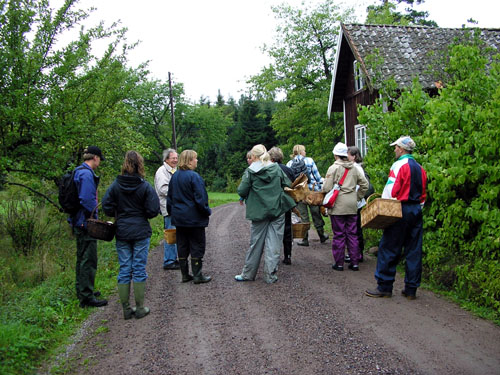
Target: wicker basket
(299, 230)
(314, 198)
(101, 230)
(299, 191)
(170, 236)
(380, 213)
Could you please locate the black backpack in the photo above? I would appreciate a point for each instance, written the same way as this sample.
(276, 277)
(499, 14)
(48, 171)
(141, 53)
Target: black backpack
(299, 166)
(68, 193)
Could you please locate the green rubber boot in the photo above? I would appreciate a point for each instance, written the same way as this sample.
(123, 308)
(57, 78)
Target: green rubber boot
(186, 277)
(140, 310)
(196, 266)
(124, 293)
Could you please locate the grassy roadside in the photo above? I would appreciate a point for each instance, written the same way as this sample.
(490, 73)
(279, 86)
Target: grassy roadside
(39, 318)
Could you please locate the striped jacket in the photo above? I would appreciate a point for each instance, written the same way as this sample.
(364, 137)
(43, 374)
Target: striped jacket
(407, 181)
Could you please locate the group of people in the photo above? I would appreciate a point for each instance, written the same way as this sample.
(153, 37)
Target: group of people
(181, 198)
(179, 195)
(268, 208)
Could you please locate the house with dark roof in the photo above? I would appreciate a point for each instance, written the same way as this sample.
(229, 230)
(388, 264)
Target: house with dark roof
(401, 52)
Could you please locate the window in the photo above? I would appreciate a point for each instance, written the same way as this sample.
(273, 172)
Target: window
(360, 138)
(358, 78)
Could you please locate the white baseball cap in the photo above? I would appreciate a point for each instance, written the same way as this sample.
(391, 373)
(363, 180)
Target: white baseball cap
(405, 142)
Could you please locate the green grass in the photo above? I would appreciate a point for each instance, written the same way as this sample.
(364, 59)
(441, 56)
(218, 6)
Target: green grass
(41, 314)
(217, 199)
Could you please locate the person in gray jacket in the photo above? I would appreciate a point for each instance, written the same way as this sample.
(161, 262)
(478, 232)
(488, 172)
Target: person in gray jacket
(343, 214)
(162, 180)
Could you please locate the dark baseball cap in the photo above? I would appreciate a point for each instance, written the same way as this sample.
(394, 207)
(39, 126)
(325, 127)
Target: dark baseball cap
(95, 151)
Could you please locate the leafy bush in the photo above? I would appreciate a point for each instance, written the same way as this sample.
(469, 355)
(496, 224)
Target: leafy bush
(458, 142)
(19, 221)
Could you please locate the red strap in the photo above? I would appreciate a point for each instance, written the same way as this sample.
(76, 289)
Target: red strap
(343, 177)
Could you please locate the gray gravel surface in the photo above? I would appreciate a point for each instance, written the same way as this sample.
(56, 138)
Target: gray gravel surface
(314, 320)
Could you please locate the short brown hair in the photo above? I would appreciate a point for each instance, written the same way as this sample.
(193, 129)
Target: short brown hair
(276, 154)
(133, 164)
(185, 158)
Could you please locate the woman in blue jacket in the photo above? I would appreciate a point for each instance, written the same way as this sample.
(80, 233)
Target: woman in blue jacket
(132, 200)
(187, 202)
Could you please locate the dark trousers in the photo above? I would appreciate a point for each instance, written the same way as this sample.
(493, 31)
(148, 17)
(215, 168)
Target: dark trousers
(403, 238)
(361, 240)
(86, 264)
(287, 235)
(190, 241)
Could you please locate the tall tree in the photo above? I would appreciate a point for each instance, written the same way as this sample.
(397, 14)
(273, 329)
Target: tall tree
(387, 14)
(301, 70)
(55, 100)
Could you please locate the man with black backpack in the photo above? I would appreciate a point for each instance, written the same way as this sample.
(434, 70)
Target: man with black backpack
(85, 181)
(302, 164)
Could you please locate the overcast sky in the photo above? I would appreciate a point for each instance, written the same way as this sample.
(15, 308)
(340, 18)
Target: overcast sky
(212, 45)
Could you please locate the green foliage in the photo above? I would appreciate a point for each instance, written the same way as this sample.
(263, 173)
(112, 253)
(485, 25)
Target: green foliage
(458, 142)
(302, 61)
(387, 14)
(58, 98)
(19, 222)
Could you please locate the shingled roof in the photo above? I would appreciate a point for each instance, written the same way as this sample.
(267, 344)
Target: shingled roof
(407, 51)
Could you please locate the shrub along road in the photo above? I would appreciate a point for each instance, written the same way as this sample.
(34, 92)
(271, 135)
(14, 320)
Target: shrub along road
(314, 320)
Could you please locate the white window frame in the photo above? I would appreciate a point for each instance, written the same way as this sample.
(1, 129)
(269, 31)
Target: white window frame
(358, 78)
(360, 139)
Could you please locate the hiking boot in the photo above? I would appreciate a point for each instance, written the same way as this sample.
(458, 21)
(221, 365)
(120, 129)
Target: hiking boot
(409, 296)
(93, 302)
(375, 293)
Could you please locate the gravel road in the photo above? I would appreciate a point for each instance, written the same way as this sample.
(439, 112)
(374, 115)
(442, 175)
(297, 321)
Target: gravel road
(314, 320)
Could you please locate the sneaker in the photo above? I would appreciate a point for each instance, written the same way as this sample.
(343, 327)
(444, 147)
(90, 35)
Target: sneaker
(375, 293)
(337, 267)
(409, 296)
(353, 267)
(240, 278)
(287, 260)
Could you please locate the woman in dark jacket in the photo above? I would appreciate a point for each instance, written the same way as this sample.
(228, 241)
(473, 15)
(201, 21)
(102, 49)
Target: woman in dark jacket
(132, 200)
(187, 202)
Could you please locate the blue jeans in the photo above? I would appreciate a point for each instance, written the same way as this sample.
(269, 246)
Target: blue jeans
(169, 251)
(133, 257)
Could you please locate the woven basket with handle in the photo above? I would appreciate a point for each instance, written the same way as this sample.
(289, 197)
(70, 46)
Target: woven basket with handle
(299, 230)
(379, 213)
(99, 229)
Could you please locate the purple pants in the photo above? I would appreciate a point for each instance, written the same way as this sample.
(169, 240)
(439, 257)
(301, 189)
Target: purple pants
(344, 229)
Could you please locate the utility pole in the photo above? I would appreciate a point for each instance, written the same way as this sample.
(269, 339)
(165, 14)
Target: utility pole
(174, 138)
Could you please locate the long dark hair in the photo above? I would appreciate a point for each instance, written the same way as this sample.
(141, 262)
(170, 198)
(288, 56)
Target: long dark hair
(133, 164)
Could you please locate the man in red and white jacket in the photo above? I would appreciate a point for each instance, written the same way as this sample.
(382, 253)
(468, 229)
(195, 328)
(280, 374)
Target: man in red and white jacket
(407, 183)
